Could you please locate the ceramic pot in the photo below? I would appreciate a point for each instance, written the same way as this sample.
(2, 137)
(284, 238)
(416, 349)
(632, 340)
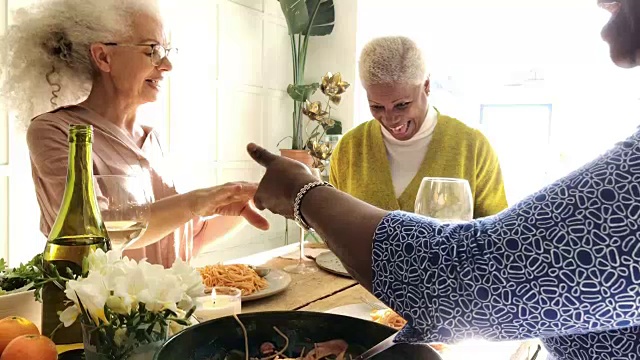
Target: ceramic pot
(298, 155)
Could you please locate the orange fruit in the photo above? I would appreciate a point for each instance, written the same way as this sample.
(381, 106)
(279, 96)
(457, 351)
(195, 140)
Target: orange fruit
(30, 347)
(13, 326)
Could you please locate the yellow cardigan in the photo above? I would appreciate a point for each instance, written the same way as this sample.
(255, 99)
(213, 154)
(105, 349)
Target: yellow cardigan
(359, 166)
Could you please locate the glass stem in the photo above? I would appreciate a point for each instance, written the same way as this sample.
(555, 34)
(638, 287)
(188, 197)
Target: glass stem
(302, 236)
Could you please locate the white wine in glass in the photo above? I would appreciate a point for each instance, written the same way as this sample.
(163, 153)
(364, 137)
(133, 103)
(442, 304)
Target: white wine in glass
(445, 199)
(301, 267)
(125, 202)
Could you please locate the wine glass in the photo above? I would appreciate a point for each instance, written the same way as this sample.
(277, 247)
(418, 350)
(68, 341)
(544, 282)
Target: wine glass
(125, 202)
(445, 199)
(183, 241)
(301, 267)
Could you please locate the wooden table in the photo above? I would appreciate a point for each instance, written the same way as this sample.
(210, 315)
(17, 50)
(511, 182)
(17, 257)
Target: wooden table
(318, 291)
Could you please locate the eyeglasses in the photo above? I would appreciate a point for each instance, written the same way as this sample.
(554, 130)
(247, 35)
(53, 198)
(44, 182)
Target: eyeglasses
(158, 52)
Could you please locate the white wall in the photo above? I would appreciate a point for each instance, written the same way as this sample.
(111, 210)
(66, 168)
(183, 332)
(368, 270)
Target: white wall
(227, 89)
(20, 236)
(337, 53)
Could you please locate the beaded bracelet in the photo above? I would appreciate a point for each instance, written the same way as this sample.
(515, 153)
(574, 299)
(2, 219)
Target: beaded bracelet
(297, 214)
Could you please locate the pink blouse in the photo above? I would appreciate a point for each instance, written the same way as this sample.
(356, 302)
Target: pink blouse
(114, 153)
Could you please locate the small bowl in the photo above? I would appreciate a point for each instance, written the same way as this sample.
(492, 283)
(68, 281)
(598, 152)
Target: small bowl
(22, 304)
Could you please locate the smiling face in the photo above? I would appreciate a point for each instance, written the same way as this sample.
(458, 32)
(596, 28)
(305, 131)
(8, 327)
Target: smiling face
(400, 108)
(128, 66)
(622, 32)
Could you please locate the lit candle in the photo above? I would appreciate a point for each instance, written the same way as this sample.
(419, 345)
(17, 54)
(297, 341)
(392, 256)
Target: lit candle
(224, 301)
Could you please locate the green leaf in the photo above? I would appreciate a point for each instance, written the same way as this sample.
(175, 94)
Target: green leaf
(83, 311)
(190, 312)
(336, 129)
(299, 13)
(296, 14)
(302, 92)
(324, 19)
(180, 321)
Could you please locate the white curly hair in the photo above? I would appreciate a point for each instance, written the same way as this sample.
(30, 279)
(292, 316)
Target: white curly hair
(45, 56)
(391, 60)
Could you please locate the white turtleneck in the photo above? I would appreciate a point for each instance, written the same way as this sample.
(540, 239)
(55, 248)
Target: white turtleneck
(405, 157)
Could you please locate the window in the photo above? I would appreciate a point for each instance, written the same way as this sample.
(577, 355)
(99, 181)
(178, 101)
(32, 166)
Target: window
(521, 136)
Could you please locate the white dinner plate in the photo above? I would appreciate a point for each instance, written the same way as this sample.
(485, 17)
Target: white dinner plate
(278, 281)
(360, 311)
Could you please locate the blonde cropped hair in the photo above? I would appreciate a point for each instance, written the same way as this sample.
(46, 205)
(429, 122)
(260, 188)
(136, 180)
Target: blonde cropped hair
(392, 60)
(45, 58)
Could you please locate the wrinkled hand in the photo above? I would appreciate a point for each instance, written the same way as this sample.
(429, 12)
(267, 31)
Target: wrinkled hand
(231, 199)
(281, 182)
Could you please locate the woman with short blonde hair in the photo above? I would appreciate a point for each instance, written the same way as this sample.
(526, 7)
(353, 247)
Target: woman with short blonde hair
(383, 161)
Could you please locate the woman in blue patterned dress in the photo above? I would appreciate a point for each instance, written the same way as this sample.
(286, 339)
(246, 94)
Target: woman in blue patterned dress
(562, 265)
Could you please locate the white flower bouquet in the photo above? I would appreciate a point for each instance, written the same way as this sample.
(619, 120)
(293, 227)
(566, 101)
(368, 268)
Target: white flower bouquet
(124, 305)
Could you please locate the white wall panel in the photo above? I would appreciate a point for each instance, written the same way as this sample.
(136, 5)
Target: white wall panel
(253, 4)
(241, 43)
(239, 122)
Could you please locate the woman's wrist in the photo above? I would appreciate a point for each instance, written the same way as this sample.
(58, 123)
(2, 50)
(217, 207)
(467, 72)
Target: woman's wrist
(302, 193)
(192, 201)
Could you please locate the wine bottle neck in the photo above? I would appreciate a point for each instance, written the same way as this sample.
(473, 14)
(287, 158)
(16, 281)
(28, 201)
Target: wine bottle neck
(79, 220)
(80, 168)
(80, 171)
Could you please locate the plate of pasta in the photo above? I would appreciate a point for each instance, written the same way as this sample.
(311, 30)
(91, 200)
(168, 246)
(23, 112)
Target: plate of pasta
(246, 279)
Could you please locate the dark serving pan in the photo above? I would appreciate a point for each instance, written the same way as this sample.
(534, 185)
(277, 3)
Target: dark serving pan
(215, 339)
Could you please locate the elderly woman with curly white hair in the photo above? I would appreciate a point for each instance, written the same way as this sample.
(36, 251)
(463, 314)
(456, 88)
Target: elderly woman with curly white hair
(95, 62)
(383, 161)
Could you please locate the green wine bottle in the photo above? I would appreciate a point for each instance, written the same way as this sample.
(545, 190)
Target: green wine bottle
(77, 231)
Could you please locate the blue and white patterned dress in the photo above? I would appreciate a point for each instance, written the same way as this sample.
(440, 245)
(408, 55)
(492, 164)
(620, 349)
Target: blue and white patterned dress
(562, 265)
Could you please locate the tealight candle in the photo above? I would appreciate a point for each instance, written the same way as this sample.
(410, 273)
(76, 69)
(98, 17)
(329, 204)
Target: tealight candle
(224, 301)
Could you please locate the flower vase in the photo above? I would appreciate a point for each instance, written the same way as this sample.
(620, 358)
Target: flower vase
(102, 345)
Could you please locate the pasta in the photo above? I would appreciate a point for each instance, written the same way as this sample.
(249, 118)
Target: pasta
(389, 318)
(238, 276)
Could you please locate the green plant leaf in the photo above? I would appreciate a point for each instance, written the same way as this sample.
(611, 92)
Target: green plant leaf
(336, 129)
(324, 19)
(298, 14)
(302, 92)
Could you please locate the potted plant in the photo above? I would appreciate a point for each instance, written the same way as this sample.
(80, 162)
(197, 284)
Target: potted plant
(304, 18)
